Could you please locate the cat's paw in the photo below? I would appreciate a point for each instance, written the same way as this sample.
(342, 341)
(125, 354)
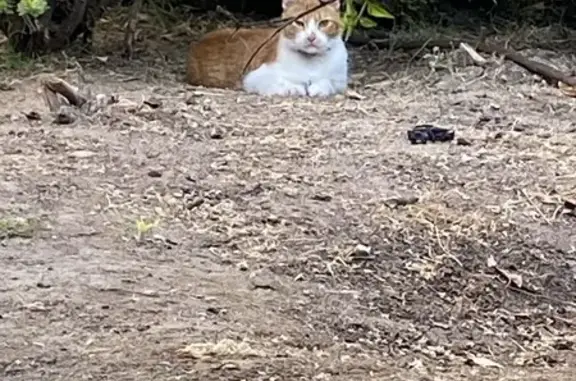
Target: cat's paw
(322, 88)
(286, 88)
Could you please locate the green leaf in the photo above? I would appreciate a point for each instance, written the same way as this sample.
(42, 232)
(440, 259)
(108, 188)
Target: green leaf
(367, 22)
(350, 9)
(375, 9)
(349, 20)
(34, 8)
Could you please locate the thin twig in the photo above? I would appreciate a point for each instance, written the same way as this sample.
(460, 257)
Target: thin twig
(322, 4)
(271, 22)
(477, 58)
(533, 204)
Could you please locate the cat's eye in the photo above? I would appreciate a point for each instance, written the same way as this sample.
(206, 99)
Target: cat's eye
(300, 23)
(324, 23)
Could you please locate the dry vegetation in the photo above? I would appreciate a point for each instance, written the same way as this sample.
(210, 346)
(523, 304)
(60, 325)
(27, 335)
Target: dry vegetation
(198, 234)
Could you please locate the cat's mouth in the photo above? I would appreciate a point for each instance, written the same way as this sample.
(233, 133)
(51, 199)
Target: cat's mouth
(311, 50)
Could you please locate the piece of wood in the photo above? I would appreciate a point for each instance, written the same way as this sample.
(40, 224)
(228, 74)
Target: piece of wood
(549, 74)
(474, 55)
(54, 86)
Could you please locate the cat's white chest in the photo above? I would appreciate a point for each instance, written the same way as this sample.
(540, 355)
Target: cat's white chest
(302, 69)
(296, 74)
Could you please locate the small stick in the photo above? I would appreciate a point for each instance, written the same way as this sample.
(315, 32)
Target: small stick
(533, 204)
(130, 32)
(272, 22)
(477, 58)
(269, 23)
(227, 13)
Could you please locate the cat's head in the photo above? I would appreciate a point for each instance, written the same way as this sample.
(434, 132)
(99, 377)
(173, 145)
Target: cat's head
(316, 32)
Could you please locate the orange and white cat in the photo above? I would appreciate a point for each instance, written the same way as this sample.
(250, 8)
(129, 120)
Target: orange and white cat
(307, 58)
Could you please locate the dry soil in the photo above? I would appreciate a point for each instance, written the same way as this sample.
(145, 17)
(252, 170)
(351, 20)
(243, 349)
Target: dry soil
(199, 234)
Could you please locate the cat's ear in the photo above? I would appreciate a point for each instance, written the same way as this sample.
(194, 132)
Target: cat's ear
(287, 3)
(336, 4)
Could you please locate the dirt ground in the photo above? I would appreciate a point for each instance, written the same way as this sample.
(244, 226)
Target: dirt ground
(201, 234)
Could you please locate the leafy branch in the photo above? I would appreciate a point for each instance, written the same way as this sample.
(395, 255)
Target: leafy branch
(364, 16)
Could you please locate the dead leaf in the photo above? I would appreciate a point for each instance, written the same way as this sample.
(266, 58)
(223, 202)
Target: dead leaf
(567, 89)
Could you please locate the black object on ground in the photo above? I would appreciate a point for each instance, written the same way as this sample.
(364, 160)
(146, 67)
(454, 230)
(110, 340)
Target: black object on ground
(424, 133)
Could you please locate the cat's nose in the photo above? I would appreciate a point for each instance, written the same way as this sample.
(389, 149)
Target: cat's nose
(311, 37)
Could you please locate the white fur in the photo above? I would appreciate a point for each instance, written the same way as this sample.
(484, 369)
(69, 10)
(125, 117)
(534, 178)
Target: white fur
(300, 69)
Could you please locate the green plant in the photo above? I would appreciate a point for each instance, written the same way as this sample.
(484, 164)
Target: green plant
(11, 60)
(33, 8)
(362, 12)
(11, 227)
(143, 227)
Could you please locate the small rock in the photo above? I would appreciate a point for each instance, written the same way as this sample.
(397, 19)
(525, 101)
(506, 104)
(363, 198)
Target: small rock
(195, 203)
(243, 266)
(545, 135)
(570, 204)
(154, 173)
(153, 103)
(33, 115)
(322, 197)
(519, 128)
(193, 99)
(5, 86)
(64, 119)
(43, 285)
(463, 142)
(142, 327)
(215, 310)
(66, 115)
(216, 133)
(361, 249)
(264, 280)
(402, 201)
